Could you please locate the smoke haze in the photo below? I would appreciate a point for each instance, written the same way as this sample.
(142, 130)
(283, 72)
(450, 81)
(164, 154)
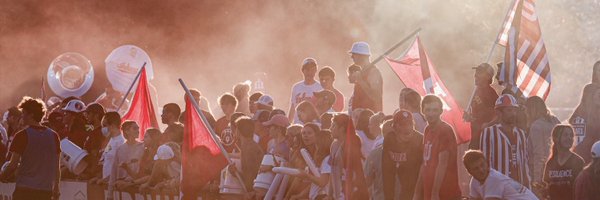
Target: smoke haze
(214, 44)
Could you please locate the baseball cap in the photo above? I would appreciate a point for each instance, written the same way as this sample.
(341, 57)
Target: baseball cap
(484, 68)
(265, 100)
(278, 120)
(403, 117)
(360, 48)
(75, 106)
(164, 152)
(596, 150)
(506, 100)
(327, 94)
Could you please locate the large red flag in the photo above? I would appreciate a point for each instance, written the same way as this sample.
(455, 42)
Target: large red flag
(202, 158)
(141, 109)
(416, 72)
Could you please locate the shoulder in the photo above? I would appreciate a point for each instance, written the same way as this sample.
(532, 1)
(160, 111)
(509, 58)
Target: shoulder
(577, 159)
(298, 85)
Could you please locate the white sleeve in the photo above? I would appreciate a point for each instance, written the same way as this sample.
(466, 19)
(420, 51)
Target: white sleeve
(293, 95)
(325, 167)
(473, 190)
(494, 188)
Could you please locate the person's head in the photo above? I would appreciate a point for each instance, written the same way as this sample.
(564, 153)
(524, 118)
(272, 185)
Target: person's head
(259, 118)
(33, 110)
(252, 101)
(432, 107)
(170, 113)
(265, 102)
(506, 109)
(403, 122)
(130, 129)
(324, 100)
(410, 100)
(196, 95)
(294, 136)
(73, 110)
(277, 112)
(596, 73)
(309, 68)
(339, 125)
(536, 109)
(277, 126)
(326, 120)
(245, 127)
(363, 120)
(327, 77)
(562, 139)
(484, 74)
(240, 90)
(94, 112)
(307, 112)
(476, 164)
(387, 127)
(360, 53)
(228, 103)
(375, 124)
(151, 137)
(309, 134)
(14, 116)
(351, 70)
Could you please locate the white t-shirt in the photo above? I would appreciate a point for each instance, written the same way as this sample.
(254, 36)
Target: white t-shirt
(366, 144)
(301, 92)
(109, 154)
(498, 185)
(315, 190)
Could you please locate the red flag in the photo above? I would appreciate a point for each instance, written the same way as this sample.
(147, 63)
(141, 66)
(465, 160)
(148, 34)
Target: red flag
(526, 69)
(202, 158)
(141, 109)
(416, 71)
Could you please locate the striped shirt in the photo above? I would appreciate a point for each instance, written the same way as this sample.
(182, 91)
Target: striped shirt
(507, 153)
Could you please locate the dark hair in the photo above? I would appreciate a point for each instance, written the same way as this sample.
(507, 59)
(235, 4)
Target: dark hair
(262, 115)
(195, 92)
(35, 107)
(245, 126)
(235, 116)
(255, 96)
(430, 98)
(113, 118)
(313, 126)
(172, 108)
(66, 100)
(95, 108)
(557, 133)
(471, 156)
(126, 124)
(354, 68)
(308, 107)
(277, 112)
(228, 99)
(152, 132)
(412, 98)
(14, 112)
(363, 120)
(327, 71)
(326, 120)
(536, 108)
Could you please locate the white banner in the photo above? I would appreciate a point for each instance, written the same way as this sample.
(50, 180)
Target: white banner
(122, 65)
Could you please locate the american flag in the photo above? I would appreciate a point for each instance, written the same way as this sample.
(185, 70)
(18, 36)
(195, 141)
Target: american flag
(526, 69)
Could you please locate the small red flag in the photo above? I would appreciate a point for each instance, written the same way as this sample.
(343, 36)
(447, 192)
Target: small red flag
(416, 72)
(141, 109)
(202, 158)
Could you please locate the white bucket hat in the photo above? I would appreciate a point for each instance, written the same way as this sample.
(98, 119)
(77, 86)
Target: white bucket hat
(360, 48)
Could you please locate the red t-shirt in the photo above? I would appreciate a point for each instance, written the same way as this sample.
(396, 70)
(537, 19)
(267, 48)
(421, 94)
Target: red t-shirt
(19, 142)
(439, 138)
(338, 106)
(224, 132)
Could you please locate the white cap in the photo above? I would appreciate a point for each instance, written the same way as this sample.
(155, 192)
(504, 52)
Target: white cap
(596, 150)
(75, 106)
(360, 48)
(164, 152)
(265, 100)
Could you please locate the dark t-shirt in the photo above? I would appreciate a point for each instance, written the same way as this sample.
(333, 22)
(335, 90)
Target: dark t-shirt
(482, 112)
(19, 142)
(561, 178)
(224, 132)
(95, 140)
(402, 159)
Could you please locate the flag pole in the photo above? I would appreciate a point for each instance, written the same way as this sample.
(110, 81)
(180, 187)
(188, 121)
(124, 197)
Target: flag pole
(489, 56)
(131, 86)
(213, 135)
(396, 46)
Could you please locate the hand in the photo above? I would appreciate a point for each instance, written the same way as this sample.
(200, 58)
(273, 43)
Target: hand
(56, 192)
(232, 168)
(265, 168)
(467, 117)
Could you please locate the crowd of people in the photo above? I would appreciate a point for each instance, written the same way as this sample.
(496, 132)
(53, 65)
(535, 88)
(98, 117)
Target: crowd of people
(519, 149)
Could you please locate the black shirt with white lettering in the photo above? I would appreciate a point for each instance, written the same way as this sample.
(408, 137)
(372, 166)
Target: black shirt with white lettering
(561, 178)
(401, 159)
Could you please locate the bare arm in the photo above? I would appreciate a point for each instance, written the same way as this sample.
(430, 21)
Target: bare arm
(292, 113)
(12, 166)
(419, 186)
(440, 173)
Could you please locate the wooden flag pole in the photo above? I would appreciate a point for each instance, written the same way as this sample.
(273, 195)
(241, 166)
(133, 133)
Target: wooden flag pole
(130, 87)
(213, 135)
